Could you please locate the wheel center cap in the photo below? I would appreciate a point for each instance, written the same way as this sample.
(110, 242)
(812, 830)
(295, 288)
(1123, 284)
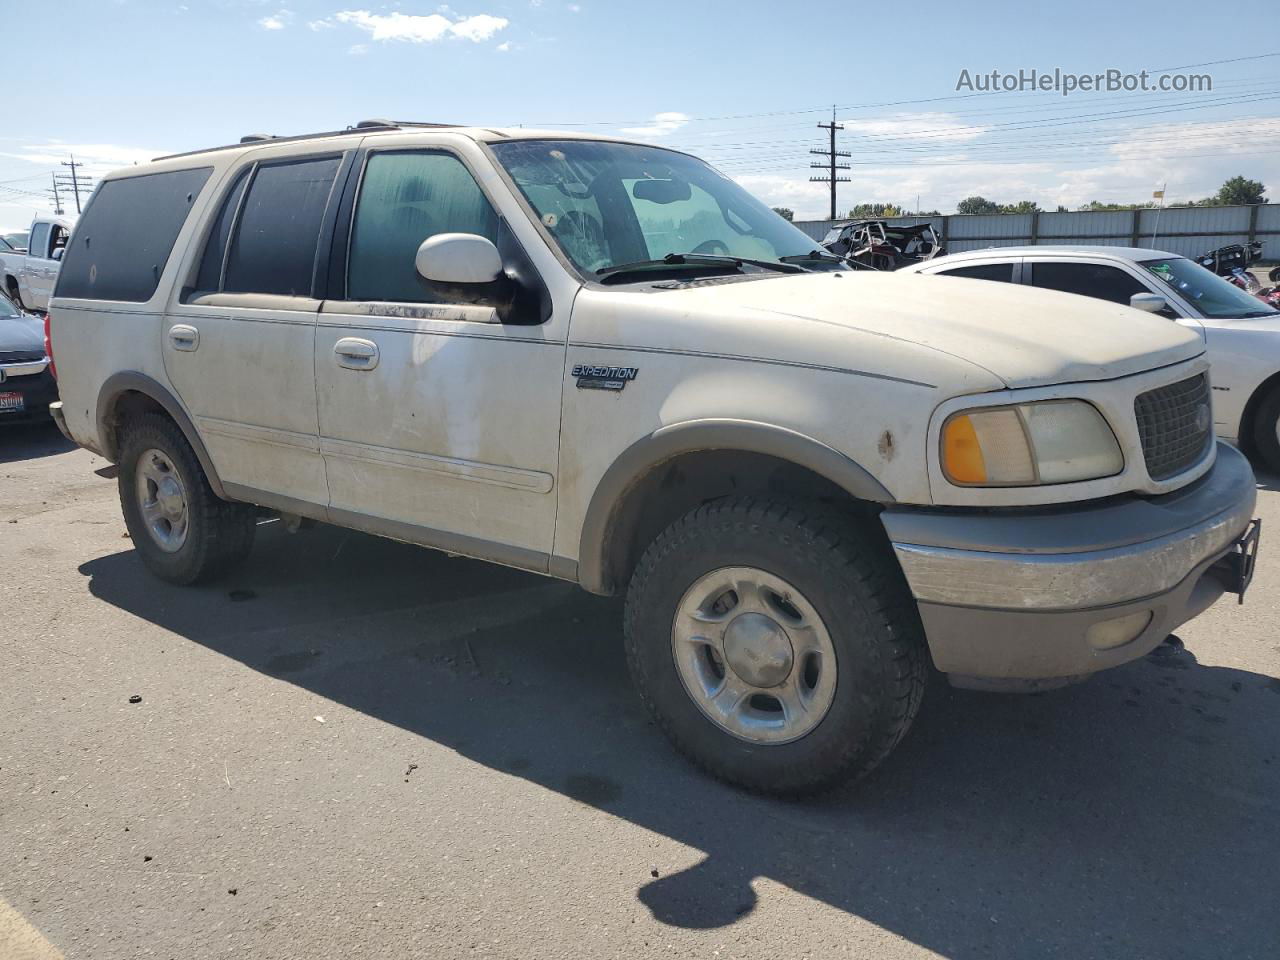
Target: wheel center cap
(758, 650)
(169, 494)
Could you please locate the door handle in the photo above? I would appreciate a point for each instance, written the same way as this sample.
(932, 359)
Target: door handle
(183, 336)
(356, 354)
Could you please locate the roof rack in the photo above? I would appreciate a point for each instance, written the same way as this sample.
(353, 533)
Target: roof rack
(364, 126)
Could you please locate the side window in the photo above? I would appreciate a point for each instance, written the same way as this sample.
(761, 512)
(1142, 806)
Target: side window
(38, 245)
(121, 245)
(215, 250)
(276, 235)
(1095, 280)
(982, 271)
(406, 198)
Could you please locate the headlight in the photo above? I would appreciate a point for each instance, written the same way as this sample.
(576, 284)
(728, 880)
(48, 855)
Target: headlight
(1050, 441)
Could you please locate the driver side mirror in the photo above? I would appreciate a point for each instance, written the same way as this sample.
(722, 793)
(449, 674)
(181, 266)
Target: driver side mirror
(1148, 302)
(458, 259)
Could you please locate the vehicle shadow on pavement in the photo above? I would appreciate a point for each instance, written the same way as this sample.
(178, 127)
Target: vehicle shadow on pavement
(1132, 816)
(29, 441)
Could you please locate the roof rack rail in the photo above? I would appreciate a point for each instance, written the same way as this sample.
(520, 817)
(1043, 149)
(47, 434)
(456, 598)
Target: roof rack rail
(271, 138)
(364, 126)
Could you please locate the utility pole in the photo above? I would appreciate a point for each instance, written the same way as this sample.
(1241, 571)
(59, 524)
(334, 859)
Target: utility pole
(831, 164)
(75, 180)
(57, 200)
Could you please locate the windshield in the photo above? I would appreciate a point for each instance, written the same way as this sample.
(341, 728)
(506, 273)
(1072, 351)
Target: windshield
(615, 203)
(1214, 297)
(17, 240)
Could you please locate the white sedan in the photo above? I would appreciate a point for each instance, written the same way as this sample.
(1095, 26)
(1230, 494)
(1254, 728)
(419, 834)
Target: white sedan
(1241, 333)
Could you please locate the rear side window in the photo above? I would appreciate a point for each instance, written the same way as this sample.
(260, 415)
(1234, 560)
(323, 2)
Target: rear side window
(983, 271)
(122, 243)
(273, 249)
(215, 250)
(1087, 279)
(38, 245)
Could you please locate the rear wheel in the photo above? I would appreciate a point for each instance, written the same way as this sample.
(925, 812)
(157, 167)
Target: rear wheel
(1266, 430)
(182, 530)
(11, 288)
(775, 644)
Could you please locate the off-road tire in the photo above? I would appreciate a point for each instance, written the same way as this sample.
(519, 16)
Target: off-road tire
(845, 569)
(219, 534)
(1266, 422)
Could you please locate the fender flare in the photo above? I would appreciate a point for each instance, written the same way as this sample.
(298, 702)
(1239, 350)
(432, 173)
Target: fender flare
(669, 442)
(131, 380)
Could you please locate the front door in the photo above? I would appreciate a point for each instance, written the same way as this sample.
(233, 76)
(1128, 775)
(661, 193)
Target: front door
(438, 423)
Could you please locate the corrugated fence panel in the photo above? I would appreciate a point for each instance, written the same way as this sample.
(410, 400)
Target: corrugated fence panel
(1079, 225)
(996, 226)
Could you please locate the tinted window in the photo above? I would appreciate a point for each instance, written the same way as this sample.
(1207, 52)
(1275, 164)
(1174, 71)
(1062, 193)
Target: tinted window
(215, 249)
(404, 199)
(982, 271)
(1087, 279)
(123, 241)
(38, 246)
(274, 247)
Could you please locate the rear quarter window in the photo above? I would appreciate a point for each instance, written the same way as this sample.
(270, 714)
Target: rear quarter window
(120, 247)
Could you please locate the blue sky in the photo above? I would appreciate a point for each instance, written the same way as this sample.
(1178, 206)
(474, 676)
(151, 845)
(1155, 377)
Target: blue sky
(741, 83)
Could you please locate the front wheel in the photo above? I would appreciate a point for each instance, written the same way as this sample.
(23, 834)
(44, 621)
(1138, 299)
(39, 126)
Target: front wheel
(182, 530)
(1266, 430)
(776, 644)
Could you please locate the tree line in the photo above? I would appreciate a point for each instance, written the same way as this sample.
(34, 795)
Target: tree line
(1234, 192)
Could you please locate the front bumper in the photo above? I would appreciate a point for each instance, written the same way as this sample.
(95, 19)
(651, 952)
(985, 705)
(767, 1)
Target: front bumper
(38, 390)
(1008, 597)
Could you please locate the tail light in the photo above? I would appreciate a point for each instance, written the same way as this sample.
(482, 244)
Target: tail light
(48, 347)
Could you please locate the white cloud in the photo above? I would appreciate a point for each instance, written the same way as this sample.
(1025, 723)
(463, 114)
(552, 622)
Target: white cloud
(661, 125)
(422, 29)
(318, 25)
(574, 8)
(277, 21)
(358, 49)
(504, 47)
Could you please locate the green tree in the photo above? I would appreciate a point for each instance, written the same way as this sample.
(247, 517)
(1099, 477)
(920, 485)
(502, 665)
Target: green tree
(865, 210)
(977, 205)
(786, 213)
(1022, 206)
(1238, 190)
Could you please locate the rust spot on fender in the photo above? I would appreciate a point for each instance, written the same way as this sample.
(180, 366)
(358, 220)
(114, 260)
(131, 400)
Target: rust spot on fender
(885, 446)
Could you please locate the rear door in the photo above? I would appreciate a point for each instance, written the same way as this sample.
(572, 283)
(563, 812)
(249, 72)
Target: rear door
(38, 270)
(239, 338)
(438, 422)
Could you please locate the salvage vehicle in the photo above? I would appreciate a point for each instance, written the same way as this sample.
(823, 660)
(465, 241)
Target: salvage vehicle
(883, 245)
(27, 387)
(607, 362)
(17, 241)
(1241, 332)
(28, 276)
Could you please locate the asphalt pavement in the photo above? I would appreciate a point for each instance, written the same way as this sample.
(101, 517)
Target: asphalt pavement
(356, 748)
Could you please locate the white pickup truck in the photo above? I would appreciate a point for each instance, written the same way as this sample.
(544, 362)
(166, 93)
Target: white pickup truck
(607, 362)
(28, 277)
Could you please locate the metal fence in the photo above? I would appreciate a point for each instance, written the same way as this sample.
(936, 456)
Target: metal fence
(1187, 231)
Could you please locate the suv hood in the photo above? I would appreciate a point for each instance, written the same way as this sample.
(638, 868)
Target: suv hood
(1023, 336)
(23, 334)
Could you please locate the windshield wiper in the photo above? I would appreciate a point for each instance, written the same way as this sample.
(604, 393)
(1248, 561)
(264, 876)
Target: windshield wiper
(814, 254)
(699, 261)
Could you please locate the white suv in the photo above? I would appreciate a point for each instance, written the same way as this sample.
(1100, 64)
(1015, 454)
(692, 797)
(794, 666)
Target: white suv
(608, 363)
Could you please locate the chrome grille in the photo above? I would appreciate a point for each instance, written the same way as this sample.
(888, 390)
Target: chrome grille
(1175, 424)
